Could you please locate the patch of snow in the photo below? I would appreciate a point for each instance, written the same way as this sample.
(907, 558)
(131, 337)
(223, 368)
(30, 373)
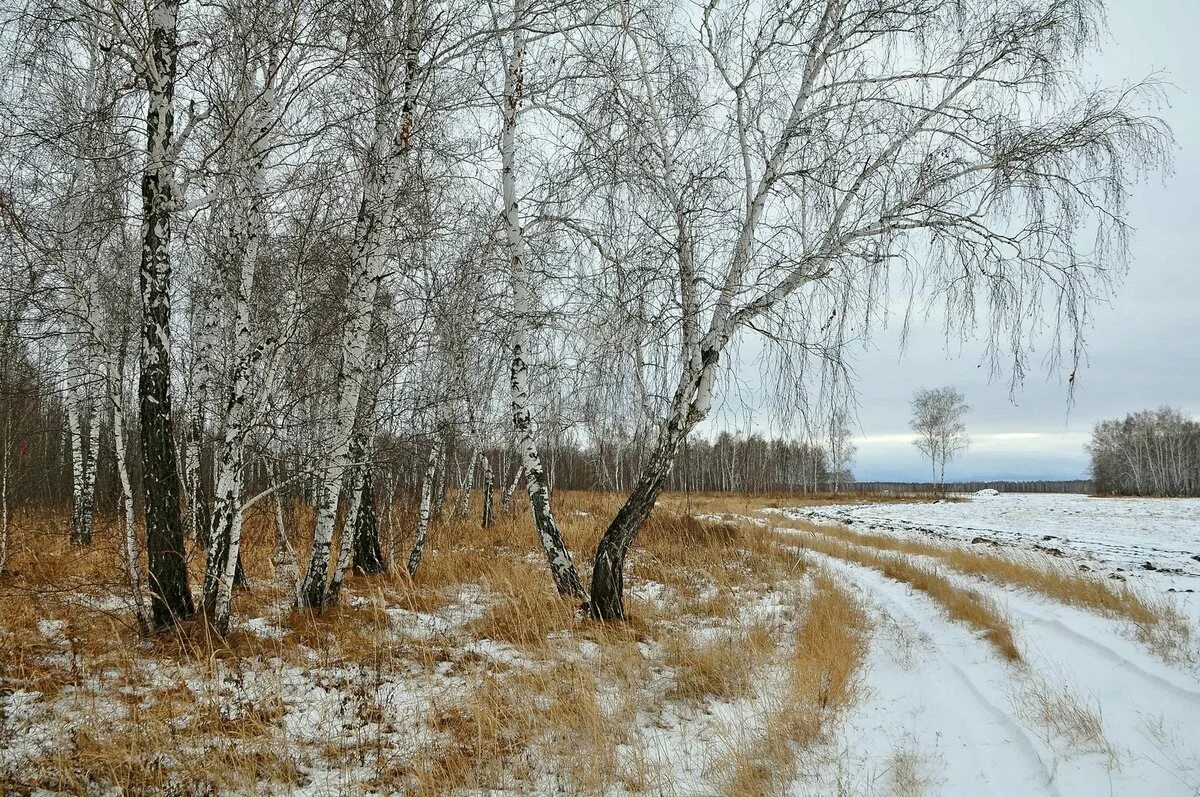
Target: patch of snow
(263, 628)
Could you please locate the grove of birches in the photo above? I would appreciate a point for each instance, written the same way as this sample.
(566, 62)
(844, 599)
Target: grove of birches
(353, 253)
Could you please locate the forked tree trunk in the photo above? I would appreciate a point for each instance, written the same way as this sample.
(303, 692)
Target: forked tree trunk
(225, 534)
(224, 569)
(346, 541)
(467, 485)
(368, 267)
(424, 513)
(488, 484)
(171, 598)
(506, 505)
(562, 569)
(287, 564)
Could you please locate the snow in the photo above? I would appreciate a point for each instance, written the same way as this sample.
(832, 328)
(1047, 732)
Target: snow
(938, 712)
(1112, 535)
(941, 709)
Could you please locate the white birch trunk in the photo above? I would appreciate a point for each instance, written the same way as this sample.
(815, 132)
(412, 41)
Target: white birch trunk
(129, 546)
(425, 512)
(562, 569)
(468, 485)
(242, 403)
(375, 216)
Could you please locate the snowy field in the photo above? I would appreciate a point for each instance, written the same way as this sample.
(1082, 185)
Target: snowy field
(977, 726)
(1113, 535)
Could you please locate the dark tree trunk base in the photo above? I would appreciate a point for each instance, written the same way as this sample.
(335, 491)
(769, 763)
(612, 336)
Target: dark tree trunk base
(368, 556)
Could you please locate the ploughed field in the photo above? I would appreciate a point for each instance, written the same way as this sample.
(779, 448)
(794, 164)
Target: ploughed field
(911, 648)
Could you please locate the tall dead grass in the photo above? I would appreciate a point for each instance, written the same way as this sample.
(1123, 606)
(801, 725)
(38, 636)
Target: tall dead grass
(152, 717)
(822, 679)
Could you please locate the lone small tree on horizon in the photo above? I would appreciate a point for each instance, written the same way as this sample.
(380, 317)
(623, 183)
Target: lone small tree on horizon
(937, 418)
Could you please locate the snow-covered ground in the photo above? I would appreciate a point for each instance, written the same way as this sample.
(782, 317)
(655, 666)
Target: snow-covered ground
(1111, 535)
(944, 715)
(1089, 709)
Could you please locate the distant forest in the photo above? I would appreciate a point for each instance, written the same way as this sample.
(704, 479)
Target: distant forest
(1153, 452)
(38, 466)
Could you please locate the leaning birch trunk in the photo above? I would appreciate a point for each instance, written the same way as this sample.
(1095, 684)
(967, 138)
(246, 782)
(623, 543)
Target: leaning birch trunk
(488, 485)
(562, 569)
(368, 267)
(387, 160)
(424, 514)
(171, 598)
(690, 405)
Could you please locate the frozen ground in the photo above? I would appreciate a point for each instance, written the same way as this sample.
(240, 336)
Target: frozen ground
(944, 716)
(1111, 535)
(1088, 710)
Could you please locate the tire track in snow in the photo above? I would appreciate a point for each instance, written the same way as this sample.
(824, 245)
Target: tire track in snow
(1014, 760)
(1111, 655)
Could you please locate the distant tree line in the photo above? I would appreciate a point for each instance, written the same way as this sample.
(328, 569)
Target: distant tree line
(726, 463)
(37, 463)
(1035, 486)
(1153, 452)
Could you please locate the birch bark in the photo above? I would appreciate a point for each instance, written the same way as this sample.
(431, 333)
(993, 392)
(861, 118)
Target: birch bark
(425, 513)
(562, 569)
(171, 598)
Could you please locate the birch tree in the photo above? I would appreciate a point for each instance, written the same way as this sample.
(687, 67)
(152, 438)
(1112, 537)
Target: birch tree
(387, 48)
(562, 568)
(857, 141)
(937, 420)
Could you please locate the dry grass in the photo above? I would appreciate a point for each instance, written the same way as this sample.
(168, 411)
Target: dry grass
(1159, 625)
(508, 728)
(821, 680)
(194, 712)
(723, 667)
(960, 604)
(1065, 717)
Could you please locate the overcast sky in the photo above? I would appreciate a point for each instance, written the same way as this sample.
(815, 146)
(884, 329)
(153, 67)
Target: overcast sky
(1143, 347)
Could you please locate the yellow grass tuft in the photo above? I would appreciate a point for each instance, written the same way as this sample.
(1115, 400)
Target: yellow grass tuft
(822, 679)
